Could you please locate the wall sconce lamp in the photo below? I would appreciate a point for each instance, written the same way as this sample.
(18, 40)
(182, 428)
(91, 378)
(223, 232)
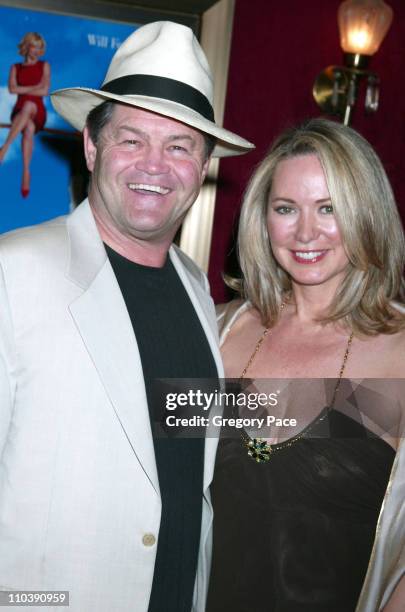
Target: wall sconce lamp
(363, 25)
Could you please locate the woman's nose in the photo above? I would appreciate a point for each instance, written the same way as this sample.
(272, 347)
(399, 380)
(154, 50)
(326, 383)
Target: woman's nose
(307, 228)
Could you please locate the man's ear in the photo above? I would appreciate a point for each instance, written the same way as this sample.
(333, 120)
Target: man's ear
(90, 149)
(205, 169)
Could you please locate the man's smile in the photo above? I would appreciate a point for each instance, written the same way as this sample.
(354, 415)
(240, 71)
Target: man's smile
(149, 188)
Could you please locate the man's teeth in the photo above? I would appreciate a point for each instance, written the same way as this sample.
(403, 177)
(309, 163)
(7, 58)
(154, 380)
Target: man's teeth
(308, 254)
(154, 188)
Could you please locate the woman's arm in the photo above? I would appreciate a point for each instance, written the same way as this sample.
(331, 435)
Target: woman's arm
(12, 80)
(41, 89)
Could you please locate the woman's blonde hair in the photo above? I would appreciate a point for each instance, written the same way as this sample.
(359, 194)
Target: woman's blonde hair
(366, 214)
(28, 39)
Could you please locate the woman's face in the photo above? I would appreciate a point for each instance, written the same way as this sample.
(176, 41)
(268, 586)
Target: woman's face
(34, 49)
(304, 235)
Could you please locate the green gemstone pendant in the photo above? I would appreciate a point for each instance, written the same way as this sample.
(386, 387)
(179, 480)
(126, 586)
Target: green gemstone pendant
(258, 449)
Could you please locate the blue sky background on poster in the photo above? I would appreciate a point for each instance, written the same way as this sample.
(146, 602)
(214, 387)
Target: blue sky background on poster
(79, 51)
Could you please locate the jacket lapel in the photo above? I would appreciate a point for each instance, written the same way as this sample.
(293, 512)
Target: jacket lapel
(103, 322)
(204, 308)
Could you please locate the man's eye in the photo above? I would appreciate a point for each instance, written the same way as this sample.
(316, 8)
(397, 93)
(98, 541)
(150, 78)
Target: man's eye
(284, 210)
(177, 148)
(327, 209)
(131, 141)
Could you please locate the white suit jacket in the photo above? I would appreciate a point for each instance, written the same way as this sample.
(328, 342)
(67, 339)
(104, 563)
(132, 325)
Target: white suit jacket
(78, 480)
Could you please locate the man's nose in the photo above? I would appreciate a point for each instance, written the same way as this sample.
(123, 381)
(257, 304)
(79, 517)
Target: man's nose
(307, 228)
(152, 160)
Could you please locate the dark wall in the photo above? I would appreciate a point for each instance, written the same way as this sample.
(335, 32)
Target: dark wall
(278, 48)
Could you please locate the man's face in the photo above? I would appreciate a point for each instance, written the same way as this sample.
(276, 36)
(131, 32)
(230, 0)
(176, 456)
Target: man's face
(147, 171)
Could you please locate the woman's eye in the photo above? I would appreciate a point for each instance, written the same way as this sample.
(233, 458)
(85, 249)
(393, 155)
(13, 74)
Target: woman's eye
(284, 210)
(327, 209)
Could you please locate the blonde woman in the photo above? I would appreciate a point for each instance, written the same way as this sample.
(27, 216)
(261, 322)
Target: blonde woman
(321, 325)
(29, 79)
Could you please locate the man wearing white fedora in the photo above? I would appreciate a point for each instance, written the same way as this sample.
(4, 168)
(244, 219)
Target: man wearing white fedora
(93, 308)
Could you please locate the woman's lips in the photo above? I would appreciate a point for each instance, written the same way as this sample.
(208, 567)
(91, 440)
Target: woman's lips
(308, 257)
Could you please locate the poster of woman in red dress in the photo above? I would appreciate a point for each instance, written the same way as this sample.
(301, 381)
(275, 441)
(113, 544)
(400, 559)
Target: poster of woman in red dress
(81, 39)
(30, 80)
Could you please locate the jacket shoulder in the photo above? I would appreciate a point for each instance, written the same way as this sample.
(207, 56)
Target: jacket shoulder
(43, 240)
(32, 256)
(191, 267)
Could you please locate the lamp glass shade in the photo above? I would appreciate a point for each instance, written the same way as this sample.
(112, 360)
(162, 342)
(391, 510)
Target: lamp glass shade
(363, 25)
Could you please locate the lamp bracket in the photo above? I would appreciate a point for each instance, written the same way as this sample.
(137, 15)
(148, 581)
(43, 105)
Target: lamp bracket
(336, 87)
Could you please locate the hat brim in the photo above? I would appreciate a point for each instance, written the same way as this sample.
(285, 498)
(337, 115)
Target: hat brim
(74, 104)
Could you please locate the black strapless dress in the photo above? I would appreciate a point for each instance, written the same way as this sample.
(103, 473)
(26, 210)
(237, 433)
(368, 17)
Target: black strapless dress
(295, 534)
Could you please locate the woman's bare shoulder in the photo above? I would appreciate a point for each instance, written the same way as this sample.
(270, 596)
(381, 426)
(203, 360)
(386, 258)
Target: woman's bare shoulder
(238, 339)
(395, 342)
(233, 317)
(224, 309)
(227, 314)
(237, 311)
(395, 346)
(383, 356)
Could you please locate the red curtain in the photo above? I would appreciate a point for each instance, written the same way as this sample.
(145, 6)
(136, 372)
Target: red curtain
(278, 48)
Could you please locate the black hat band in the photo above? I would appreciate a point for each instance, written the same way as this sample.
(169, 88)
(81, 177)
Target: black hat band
(161, 87)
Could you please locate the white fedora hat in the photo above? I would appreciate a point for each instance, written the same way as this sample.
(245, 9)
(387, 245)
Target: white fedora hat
(161, 68)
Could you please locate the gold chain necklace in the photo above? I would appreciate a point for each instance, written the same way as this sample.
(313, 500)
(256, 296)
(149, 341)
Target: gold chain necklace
(260, 450)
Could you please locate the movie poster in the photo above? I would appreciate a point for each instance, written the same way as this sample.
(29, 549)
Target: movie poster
(78, 50)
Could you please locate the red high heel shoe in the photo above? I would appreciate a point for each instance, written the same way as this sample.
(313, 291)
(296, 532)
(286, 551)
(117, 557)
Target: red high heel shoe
(25, 192)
